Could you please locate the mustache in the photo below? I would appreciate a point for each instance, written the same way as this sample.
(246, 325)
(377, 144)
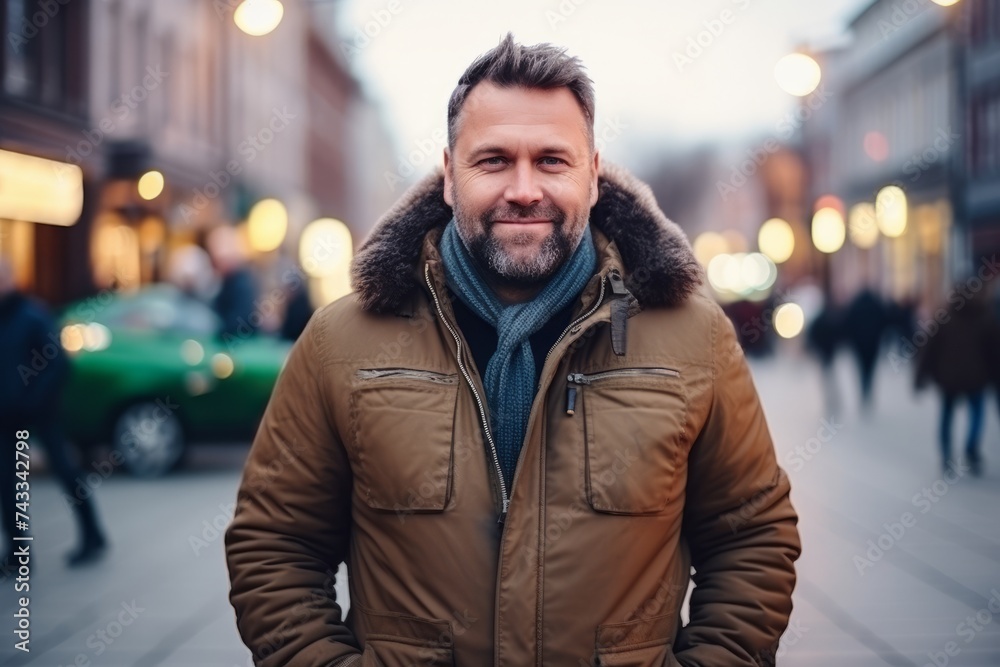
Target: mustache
(516, 211)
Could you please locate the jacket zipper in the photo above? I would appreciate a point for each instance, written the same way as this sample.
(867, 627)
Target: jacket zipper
(584, 378)
(431, 376)
(593, 309)
(475, 393)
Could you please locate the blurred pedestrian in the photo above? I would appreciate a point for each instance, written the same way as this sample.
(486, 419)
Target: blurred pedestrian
(864, 324)
(33, 371)
(958, 359)
(297, 312)
(823, 338)
(901, 322)
(235, 301)
(189, 268)
(994, 360)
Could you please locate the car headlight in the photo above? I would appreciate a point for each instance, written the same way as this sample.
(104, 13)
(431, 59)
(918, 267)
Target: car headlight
(71, 337)
(91, 337)
(222, 365)
(192, 352)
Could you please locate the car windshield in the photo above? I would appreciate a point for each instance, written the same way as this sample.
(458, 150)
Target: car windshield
(160, 308)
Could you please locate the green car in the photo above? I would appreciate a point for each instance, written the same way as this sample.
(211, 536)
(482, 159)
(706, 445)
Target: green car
(150, 375)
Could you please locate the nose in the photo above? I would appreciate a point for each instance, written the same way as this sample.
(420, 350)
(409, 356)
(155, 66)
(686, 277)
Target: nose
(524, 188)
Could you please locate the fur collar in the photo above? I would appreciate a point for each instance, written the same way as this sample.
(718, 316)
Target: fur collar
(659, 266)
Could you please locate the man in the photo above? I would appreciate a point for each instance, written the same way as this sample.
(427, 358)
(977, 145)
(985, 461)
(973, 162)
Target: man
(234, 303)
(523, 473)
(34, 370)
(958, 359)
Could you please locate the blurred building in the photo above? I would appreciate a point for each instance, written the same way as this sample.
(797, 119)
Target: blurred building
(178, 122)
(978, 166)
(879, 151)
(44, 68)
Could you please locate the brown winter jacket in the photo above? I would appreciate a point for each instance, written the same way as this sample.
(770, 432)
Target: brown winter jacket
(646, 453)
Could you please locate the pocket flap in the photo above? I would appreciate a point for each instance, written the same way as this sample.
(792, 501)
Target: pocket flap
(408, 629)
(636, 632)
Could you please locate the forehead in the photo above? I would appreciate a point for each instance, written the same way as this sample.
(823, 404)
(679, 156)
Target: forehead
(494, 113)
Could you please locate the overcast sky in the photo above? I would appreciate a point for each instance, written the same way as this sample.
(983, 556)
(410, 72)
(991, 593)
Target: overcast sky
(652, 91)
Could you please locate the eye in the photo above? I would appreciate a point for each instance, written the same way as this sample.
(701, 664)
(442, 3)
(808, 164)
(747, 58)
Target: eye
(552, 161)
(493, 161)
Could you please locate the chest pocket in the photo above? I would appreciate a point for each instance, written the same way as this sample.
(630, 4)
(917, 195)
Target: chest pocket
(402, 424)
(635, 428)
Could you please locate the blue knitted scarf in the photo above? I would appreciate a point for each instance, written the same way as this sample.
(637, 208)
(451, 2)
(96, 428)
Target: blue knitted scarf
(510, 374)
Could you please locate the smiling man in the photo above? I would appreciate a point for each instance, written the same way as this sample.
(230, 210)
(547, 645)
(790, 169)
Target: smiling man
(523, 429)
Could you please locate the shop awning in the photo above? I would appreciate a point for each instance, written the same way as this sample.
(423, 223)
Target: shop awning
(34, 189)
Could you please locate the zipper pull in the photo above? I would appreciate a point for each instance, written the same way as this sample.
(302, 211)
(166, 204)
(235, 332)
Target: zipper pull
(503, 512)
(573, 378)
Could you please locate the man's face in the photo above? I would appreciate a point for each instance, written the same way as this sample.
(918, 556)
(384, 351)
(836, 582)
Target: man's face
(521, 179)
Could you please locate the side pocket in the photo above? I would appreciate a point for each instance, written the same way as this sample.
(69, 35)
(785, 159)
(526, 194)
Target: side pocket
(400, 640)
(644, 642)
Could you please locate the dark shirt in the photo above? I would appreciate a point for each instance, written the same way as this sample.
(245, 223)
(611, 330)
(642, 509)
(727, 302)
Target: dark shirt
(482, 337)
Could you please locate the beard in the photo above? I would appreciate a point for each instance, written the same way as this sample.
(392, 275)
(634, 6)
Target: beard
(492, 256)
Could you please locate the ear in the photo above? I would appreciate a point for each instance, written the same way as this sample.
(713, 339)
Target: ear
(447, 179)
(597, 170)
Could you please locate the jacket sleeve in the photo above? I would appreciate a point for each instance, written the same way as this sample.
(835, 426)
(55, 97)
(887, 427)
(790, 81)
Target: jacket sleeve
(291, 527)
(739, 525)
(43, 391)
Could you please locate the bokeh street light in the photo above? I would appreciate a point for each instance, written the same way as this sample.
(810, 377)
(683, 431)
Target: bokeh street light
(828, 230)
(861, 226)
(258, 17)
(798, 74)
(708, 245)
(150, 185)
(776, 240)
(789, 320)
(267, 225)
(325, 251)
(891, 211)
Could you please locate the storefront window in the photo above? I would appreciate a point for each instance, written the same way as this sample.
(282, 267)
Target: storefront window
(17, 247)
(115, 254)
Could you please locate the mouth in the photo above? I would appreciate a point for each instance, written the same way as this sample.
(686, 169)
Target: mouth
(524, 221)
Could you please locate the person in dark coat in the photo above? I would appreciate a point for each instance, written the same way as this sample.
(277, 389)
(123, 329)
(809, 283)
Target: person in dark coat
(235, 301)
(957, 359)
(33, 371)
(297, 312)
(864, 324)
(994, 359)
(823, 338)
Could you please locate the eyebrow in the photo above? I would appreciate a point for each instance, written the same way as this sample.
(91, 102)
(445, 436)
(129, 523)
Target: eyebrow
(550, 149)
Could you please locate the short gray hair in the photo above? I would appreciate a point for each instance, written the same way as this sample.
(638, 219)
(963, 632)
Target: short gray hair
(511, 65)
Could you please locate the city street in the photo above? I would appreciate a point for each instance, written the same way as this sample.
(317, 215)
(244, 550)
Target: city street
(897, 562)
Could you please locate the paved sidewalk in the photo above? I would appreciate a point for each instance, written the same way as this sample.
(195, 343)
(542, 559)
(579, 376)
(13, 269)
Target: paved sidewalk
(897, 560)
